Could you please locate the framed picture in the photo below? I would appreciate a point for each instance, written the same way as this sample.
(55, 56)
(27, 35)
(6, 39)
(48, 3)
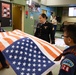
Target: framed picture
(5, 10)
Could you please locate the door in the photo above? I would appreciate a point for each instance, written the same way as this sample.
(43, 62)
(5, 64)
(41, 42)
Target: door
(6, 14)
(17, 17)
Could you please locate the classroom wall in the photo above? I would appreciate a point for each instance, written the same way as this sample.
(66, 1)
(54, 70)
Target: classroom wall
(65, 16)
(29, 24)
(69, 19)
(22, 2)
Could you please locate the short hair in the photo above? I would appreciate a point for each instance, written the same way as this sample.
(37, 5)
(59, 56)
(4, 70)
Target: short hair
(71, 31)
(44, 15)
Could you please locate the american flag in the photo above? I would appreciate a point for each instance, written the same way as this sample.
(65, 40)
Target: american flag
(27, 54)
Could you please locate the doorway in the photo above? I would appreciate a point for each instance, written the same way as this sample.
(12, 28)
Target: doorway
(18, 17)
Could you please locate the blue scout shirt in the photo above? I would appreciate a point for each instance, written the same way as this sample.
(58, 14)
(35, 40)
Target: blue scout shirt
(68, 64)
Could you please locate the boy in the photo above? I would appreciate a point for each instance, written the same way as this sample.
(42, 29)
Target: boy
(68, 63)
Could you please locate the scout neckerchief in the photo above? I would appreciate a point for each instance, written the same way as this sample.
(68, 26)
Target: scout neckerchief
(70, 50)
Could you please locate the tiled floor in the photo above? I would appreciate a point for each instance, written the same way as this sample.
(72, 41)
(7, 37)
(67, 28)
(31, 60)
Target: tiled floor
(58, 34)
(59, 43)
(7, 71)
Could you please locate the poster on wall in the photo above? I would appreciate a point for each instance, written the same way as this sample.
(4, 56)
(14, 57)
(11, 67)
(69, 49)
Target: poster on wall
(5, 10)
(34, 7)
(31, 16)
(44, 11)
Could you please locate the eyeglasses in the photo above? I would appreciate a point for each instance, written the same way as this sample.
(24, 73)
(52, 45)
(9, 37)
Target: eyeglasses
(64, 36)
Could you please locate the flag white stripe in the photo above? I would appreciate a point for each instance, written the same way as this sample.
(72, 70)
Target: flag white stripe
(58, 49)
(5, 34)
(12, 38)
(12, 34)
(17, 32)
(4, 42)
(1, 36)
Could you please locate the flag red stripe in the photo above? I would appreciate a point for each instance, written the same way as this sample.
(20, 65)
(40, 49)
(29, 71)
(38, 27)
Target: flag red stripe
(49, 51)
(55, 48)
(8, 40)
(2, 47)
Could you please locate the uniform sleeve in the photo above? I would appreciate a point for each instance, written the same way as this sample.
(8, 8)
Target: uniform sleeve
(35, 34)
(68, 66)
(37, 30)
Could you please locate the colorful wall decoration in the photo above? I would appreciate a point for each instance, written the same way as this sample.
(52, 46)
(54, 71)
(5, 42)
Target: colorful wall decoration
(5, 10)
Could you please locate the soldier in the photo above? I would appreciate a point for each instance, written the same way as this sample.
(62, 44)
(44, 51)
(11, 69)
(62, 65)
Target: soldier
(45, 29)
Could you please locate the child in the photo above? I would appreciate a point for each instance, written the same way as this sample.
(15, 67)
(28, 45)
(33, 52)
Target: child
(68, 63)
